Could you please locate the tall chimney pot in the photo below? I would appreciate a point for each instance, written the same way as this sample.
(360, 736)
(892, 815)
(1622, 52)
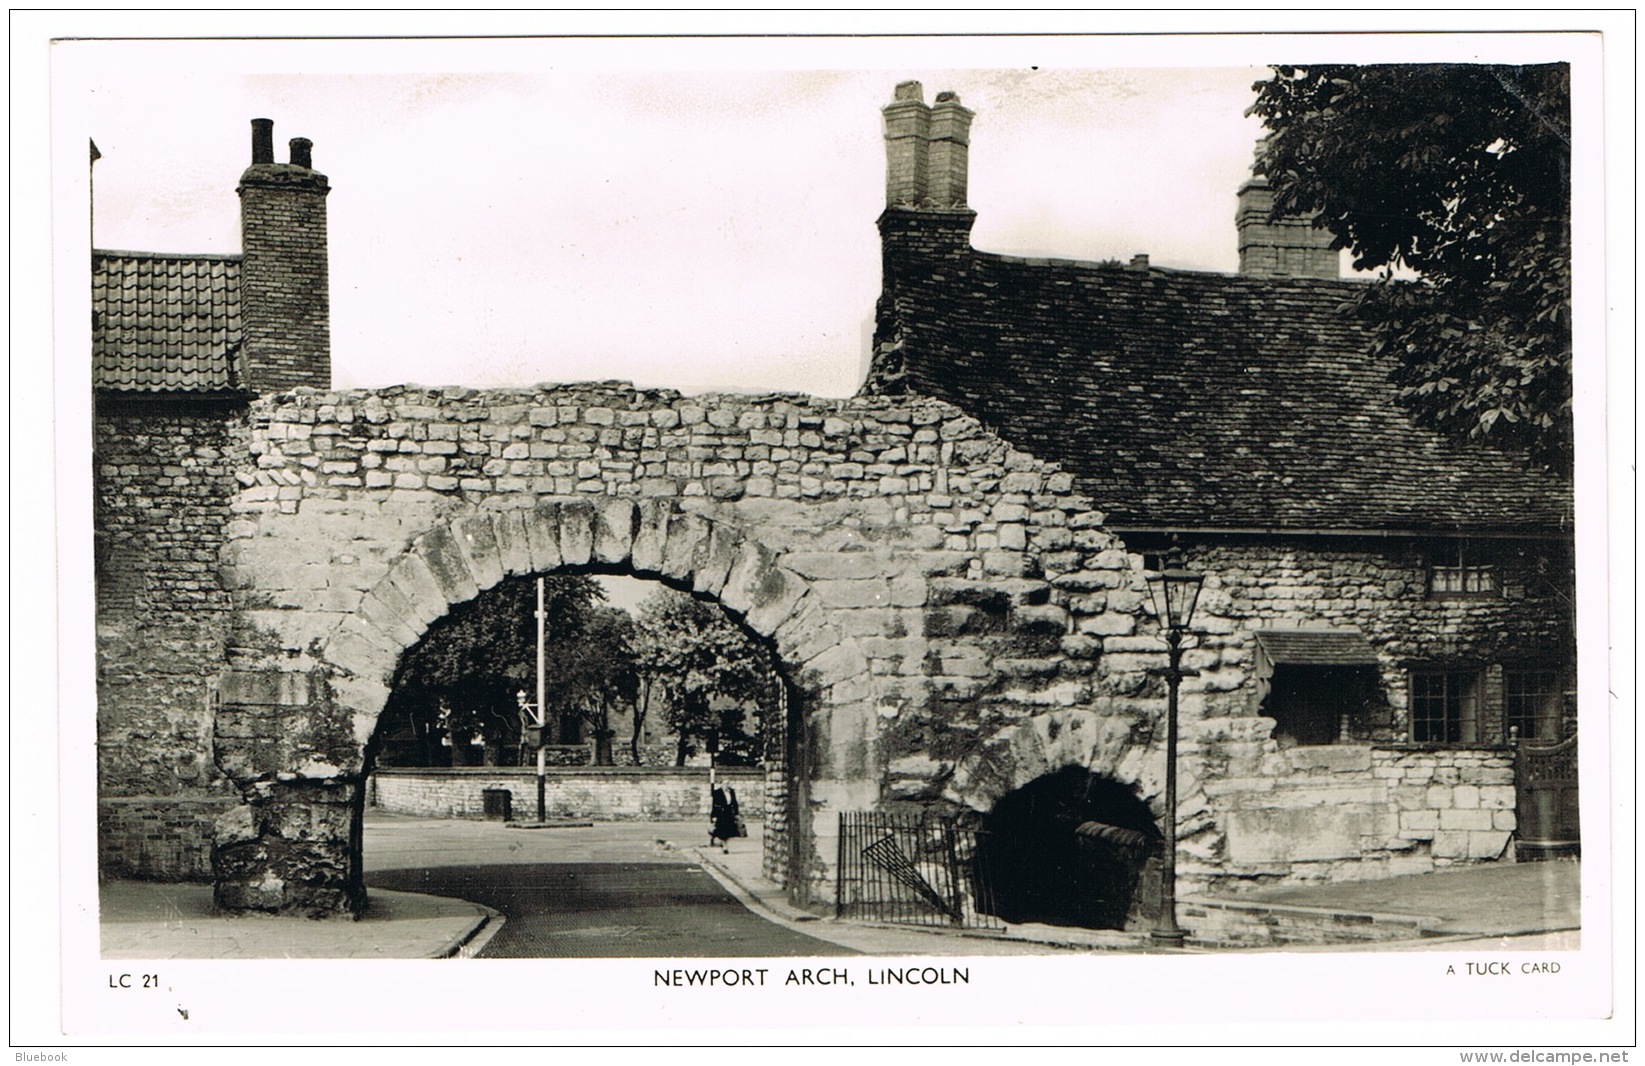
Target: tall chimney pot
(947, 154)
(262, 141)
(285, 301)
(1279, 247)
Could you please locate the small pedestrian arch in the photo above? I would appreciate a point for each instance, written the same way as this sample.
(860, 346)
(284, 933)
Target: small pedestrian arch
(1112, 762)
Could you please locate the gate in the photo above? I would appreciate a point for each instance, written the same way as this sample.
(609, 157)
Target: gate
(1545, 777)
(912, 870)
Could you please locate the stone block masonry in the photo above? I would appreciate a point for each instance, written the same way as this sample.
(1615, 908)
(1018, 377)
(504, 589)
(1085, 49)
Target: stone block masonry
(1372, 812)
(899, 558)
(164, 474)
(952, 617)
(1379, 588)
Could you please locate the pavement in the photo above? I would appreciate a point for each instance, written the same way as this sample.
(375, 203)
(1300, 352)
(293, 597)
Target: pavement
(1530, 906)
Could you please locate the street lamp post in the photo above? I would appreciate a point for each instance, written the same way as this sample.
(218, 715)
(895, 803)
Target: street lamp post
(1175, 590)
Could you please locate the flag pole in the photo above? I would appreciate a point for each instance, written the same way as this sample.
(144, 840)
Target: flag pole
(542, 713)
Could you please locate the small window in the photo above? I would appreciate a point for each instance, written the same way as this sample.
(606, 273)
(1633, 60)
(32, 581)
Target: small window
(1460, 576)
(1532, 702)
(1445, 706)
(1462, 580)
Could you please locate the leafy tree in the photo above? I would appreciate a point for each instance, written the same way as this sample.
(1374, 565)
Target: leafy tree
(706, 671)
(596, 674)
(1461, 174)
(461, 679)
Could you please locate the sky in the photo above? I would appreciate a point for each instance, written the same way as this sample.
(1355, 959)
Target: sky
(693, 217)
(683, 213)
(514, 215)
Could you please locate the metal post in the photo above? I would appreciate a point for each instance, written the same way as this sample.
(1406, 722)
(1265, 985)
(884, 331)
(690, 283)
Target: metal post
(840, 851)
(1168, 932)
(542, 712)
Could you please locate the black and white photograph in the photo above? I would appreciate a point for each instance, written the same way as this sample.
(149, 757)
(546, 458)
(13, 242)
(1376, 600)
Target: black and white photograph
(586, 537)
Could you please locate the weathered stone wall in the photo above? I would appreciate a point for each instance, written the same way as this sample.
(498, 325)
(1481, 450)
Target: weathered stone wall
(611, 793)
(1460, 803)
(922, 583)
(954, 619)
(1381, 589)
(1254, 810)
(1270, 811)
(158, 839)
(1355, 812)
(164, 474)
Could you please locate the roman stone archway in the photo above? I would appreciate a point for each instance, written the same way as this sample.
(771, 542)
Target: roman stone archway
(450, 564)
(926, 588)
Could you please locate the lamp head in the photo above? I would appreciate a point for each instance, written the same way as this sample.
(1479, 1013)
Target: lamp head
(1175, 590)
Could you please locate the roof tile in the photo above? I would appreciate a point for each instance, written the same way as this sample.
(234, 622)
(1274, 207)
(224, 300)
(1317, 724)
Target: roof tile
(1198, 400)
(165, 323)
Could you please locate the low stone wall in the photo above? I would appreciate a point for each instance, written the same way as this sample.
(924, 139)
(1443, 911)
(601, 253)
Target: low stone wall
(1356, 812)
(1226, 923)
(158, 838)
(1458, 802)
(612, 793)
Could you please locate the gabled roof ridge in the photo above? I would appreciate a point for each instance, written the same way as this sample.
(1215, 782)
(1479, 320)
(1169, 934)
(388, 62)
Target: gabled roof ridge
(1117, 266)
(111, 253)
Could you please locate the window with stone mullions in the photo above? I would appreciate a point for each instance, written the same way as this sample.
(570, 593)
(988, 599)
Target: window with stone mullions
(1445, 706)
(1531, 703)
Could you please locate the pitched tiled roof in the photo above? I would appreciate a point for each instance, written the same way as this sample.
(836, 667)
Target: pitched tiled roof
(1316, 647)
(1197, 400)
(165, 323)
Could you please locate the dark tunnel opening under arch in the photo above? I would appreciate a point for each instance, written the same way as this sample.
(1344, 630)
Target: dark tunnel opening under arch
(1072, 848)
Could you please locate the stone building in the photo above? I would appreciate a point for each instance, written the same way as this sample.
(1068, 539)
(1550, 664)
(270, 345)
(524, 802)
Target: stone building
(949, 568)
(267, 548)
(181, 346)
(1378, 596)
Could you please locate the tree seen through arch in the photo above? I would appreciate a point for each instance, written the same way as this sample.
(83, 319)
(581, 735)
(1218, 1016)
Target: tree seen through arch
(612, 677)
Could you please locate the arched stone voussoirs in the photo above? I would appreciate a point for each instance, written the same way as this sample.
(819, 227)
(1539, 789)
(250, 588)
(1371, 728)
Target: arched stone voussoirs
(453, 562)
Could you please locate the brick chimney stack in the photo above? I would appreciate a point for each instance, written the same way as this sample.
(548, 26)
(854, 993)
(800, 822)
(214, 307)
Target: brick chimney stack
(907, 152)
(948, 152)
(926, 225)
(1280, 248)
(926, 149)
(926, 164)
(285, 302)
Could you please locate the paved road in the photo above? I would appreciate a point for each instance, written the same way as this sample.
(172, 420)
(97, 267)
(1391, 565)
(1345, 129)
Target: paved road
(609, 910)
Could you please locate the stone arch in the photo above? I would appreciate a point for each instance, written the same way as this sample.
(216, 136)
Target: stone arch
(1116, 743)
(295, 843)
(1120, 743)
(454, 561)
(1072, 847)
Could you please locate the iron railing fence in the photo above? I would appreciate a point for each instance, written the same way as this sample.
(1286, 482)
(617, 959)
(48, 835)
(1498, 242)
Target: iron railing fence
(913, 870)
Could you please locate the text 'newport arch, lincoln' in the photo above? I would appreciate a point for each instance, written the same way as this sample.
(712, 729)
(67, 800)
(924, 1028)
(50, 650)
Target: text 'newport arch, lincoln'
(936, 598)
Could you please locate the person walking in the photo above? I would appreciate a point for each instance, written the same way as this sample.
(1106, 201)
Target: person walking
(724, 816)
